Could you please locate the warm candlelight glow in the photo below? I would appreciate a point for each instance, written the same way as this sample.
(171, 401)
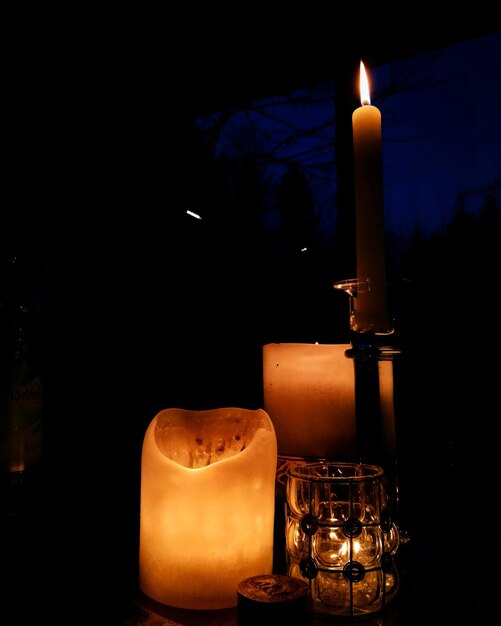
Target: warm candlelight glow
(365, 96)
(207, 505)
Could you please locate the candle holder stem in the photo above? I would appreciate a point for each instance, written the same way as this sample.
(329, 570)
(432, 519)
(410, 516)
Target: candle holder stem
(375, 413)
(376, 422)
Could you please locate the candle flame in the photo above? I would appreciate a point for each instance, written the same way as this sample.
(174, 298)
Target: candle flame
(365, 97)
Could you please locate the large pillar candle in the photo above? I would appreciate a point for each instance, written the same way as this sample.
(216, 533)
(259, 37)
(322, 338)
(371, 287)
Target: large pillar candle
(207, 505)
(309, 393)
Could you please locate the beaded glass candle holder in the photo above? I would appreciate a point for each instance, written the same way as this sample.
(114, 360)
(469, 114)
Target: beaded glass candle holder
(340, 538)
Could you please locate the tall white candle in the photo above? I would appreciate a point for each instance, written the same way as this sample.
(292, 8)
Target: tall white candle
(207, 505)
(370, 304)
(309, 393)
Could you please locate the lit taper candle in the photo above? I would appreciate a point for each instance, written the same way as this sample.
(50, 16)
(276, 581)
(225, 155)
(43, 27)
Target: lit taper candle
(370, 303)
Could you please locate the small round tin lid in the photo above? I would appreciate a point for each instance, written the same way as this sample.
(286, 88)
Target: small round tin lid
(272, 596)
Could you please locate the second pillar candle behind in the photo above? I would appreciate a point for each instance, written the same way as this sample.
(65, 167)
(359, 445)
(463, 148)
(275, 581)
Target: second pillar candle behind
(309, 393)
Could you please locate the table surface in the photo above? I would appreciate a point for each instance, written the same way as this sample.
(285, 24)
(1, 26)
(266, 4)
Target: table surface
(69, 545)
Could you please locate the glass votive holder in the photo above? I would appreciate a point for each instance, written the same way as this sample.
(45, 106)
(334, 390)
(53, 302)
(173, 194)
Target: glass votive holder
(340, 538)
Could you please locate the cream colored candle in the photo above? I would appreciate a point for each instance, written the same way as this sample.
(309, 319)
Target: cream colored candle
(370, 304)
(309, 393)
(207, 505)
(387, 405)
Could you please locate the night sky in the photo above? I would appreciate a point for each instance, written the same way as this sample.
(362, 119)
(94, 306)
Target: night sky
(441, 136)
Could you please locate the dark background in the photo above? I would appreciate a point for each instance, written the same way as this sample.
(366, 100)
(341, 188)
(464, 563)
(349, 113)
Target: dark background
(131, 323)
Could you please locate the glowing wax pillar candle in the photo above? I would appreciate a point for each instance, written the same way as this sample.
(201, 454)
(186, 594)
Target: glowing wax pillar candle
(309, 393)
(207, 505)
(370, 303)
(386, 397)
